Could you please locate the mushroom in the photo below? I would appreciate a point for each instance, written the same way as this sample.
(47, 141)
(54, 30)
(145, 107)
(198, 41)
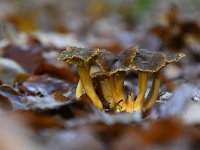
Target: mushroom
(82, 57)
(146, 63)
(113, 70)
(105, 60)
(108, 71)
(102, 78)
(117, 76)
(149, 64)
(153, 94)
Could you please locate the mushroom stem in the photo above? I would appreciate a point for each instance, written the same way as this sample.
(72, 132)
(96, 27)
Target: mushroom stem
(120, 78)
(113, 87)
(79, 89)
(105, 86)
(107, 93)
(116, 83)
(88, 85)
(142, 86)
(130, 103)
(153, 94)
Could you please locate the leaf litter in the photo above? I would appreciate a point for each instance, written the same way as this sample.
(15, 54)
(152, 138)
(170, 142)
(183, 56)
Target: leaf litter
(40, 92)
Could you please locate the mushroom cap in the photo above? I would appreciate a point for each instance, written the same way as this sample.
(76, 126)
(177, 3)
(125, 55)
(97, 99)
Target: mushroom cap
(174, 57)
(76, 55)
(111, 64)
(125, 59)
(147, 61)
(105, 59)
(99, 75)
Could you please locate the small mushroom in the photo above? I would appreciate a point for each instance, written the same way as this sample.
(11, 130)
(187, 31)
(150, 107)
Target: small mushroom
(117, 74)
(108, 86)
(146, 63)
(102, 78)
(149, 63)
(153, 94)
(105, 60)
(82, 57)
(115, 68)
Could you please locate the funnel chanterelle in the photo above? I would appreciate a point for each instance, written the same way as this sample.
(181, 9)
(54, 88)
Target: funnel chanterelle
(109, 71)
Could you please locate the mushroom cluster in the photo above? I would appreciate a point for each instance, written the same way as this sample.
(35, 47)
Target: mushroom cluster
(102, 75)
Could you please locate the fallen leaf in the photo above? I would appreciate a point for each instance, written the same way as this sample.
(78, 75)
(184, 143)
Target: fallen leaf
(43, 85)
(61, 73)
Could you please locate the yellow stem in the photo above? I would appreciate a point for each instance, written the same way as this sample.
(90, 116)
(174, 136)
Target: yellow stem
(120, 77)
(153, 94)
(88, 85)
(116, 83)
(107, 93)
(130, 103)
(113, 88)
(79, 89)
(142, 86)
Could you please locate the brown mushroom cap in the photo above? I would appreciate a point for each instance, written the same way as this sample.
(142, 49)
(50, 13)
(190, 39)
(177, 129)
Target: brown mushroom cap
(174, 57)
(110, 66)
(125, 59)
(74, 55)
(81, 57)
(99, 75)
(150, 62)
(110, 73)
(105, 59)
(147, 61)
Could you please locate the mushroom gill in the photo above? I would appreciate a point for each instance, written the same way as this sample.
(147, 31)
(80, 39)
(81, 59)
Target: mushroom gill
(82, 57)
